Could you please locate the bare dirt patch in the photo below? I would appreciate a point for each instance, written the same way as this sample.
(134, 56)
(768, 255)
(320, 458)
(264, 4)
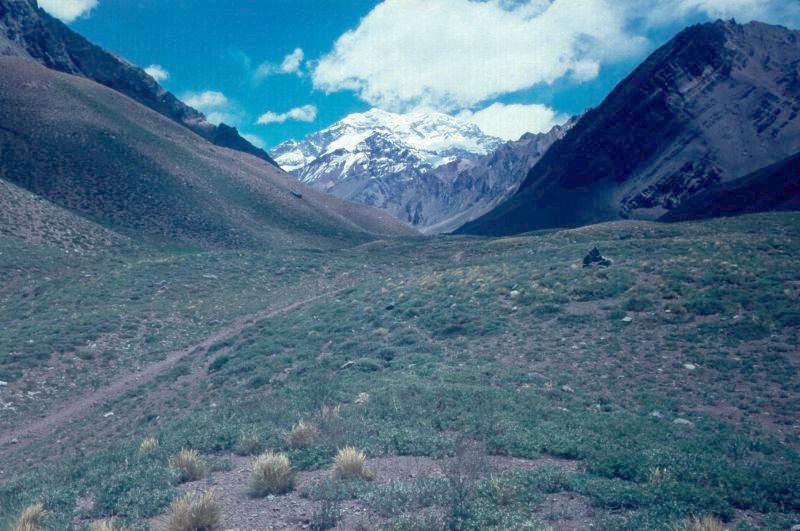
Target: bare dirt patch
(293, 511)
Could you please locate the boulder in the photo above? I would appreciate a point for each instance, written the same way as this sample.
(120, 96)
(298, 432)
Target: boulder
(595, 258)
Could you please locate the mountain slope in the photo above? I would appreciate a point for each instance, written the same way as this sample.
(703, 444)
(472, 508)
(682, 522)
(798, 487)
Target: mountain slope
(28, 31)
(776, 187)
(717, 102)
(473, 188)
(430, 170)
(91, 150)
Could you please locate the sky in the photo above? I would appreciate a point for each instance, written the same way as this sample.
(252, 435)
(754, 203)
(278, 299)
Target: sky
(281, 69)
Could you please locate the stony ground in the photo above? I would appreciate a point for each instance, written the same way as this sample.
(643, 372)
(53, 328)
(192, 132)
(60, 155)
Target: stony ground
(631, 396)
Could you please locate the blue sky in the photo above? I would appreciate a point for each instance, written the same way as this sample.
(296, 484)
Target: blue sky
(280, 69)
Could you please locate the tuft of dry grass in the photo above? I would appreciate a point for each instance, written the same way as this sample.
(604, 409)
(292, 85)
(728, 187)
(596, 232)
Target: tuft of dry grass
(302, 435)
(330, 414)
(188, 465)
(194, 512)
(705, 523)
(350, 463)
(659, 476)
(249, 443)
(148, 445)
(108, 524)
(31, 519)
(272, 474)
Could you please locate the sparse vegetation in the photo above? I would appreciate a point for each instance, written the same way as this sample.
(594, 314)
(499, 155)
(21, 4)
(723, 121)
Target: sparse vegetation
(187, 465)
(350, 463)
(194, 512)
(107, 524)
(272, 474)
(330, 414)
(302, 434)
(706, 523)
(249, 443)
(453, 361)
(148, 445)
(31, 519)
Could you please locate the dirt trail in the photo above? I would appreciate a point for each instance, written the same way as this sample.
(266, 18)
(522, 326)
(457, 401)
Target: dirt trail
(23, 436)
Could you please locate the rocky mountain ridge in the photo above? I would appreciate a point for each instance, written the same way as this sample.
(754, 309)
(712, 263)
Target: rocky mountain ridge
(26, 30)
(719, 101)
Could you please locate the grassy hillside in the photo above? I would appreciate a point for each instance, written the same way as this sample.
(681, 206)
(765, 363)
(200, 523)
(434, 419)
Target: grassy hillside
(97, 153)
(492, 383)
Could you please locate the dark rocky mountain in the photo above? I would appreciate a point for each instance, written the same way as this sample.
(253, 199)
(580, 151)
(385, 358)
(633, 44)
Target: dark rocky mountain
(776, 187)
(719, 101)
(28, 31)
(469, 189)
(94, 152)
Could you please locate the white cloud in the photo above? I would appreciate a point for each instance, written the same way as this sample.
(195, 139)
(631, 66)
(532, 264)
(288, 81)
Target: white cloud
(306, 113)
(216, 106)
(157, 72)
(67, 10)
(221, 117)
(454, 54)
(663, 12)
(743, 10)
(291, 64)
(510, 122)
(206, 100)
(257, 141)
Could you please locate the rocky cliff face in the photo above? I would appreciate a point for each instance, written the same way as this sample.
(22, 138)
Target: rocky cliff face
(717, 102)
(776, 187)
(28, 31)
(472, 188)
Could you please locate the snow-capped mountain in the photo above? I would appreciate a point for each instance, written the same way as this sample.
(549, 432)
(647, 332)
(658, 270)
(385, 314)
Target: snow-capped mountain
(378, 143)
(432, 171)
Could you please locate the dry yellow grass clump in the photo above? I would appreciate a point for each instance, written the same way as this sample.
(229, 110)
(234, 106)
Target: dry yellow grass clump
(659, 476)
(188, 465)
(272, 474)
(706, 523)
(109, 524)
(330, 413)
(249, 443)
(350, 463)
(302, 435)
(31, 519)
(148, 445)
(194, 512)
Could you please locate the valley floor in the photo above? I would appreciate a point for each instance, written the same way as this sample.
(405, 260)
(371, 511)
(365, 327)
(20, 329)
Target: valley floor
(492, 383)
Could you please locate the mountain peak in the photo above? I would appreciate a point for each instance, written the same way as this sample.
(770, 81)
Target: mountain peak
(415, 141)
(718, 101)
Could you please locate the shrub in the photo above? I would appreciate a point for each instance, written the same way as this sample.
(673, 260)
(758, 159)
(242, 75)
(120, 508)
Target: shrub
(350, 463)
(327, 516)
(194, 512)
(706, 523)
(108, 524)
(302, 435)
(31, 519)
(188, 466)
(248, 444)
(148, 445)
(272, 474)
(330, 414)
(218, 364)
(503, 493)
(659, 476)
